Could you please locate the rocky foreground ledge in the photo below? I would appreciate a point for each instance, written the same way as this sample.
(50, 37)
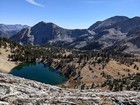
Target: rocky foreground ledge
(19, 91)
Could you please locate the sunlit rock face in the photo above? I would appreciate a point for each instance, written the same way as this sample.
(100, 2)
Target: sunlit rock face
(15, 90)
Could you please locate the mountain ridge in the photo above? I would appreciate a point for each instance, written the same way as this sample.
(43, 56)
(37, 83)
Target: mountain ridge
(108, 22)
(102, 33)
(52, 32)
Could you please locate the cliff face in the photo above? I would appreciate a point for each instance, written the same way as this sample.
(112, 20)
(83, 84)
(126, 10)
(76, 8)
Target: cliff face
(15, 90)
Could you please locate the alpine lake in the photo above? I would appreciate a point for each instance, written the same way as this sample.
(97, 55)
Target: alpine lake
(39, 72)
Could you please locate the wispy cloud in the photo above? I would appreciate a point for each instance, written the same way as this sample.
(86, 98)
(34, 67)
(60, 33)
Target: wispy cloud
(34, 3)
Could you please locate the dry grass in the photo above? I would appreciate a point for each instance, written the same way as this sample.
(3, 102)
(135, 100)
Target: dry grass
(5, 65)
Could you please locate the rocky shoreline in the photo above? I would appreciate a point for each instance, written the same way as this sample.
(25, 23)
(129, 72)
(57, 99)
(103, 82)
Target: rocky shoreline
(15, 91)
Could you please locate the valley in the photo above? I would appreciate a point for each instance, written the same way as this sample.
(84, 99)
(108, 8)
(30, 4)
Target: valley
(103, 58)
(84, 69)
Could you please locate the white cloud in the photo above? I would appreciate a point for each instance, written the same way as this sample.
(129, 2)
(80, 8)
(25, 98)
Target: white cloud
(34, 3)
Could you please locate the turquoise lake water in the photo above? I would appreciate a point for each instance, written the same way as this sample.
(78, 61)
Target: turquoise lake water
(39, 72)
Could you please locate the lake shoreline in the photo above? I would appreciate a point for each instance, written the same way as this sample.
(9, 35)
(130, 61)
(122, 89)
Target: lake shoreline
(40, 72)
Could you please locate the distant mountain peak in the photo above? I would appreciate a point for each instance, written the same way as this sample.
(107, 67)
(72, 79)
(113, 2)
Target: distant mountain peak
(108, 22)
(49, 24)
(41, 23)
(118, 17)
(8, 30)
(135, 18)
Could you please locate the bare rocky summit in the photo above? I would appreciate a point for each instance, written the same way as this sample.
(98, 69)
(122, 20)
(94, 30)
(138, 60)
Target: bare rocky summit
(20, 91)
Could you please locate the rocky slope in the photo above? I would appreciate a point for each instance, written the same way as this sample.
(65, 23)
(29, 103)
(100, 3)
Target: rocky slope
(132, 41)
(8, 30)
(116, 29)
(15, 90)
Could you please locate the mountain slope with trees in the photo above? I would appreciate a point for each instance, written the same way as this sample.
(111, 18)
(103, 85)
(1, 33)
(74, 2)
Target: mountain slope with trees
(84, 69)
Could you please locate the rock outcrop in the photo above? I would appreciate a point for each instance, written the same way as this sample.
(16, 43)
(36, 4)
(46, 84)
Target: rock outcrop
(20, 91)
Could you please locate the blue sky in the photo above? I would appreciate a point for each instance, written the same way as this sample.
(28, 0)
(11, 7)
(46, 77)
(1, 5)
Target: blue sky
(65, 13)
